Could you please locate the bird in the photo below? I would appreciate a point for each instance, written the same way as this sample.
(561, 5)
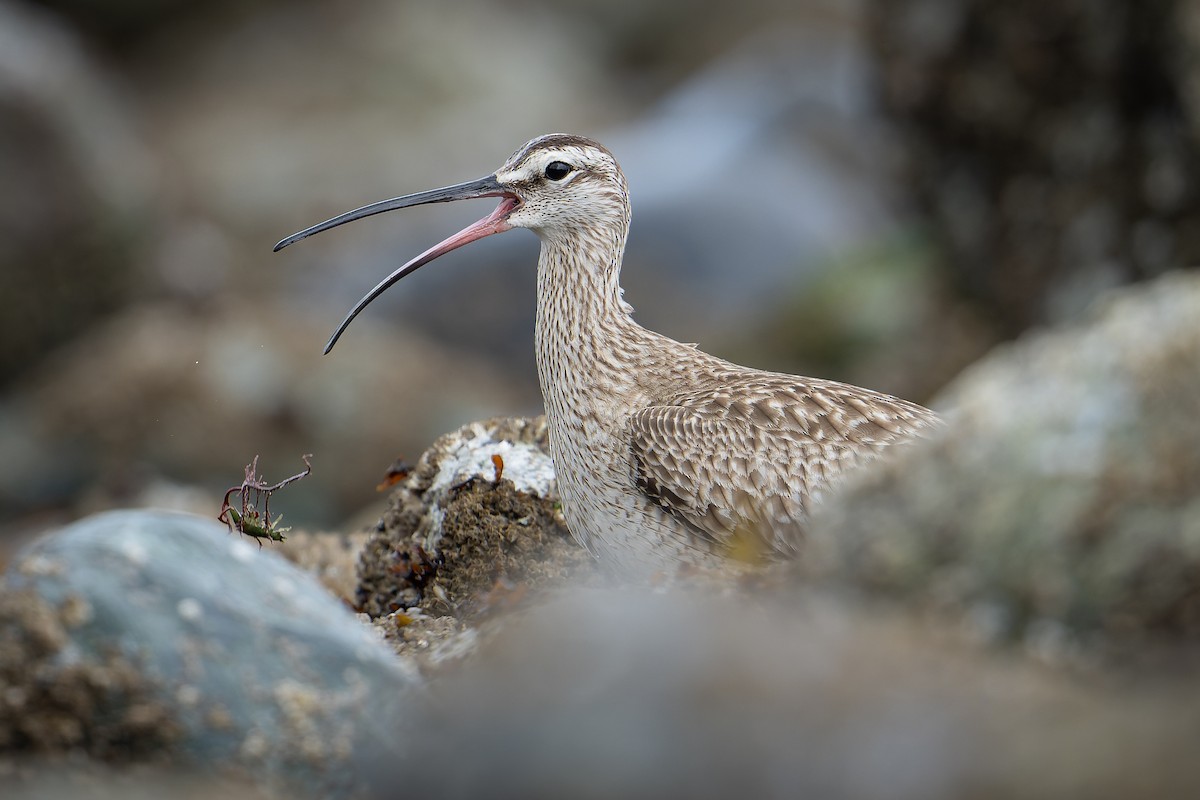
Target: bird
(666, 457)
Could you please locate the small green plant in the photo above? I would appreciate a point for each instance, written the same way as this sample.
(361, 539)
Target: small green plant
(244, 515)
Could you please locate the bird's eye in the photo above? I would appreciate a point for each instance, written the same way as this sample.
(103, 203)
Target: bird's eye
(557, 170)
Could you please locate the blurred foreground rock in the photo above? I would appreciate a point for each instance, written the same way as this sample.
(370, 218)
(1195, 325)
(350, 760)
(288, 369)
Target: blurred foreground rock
(630, 692)
(1062, 507)
(135, 636)
(639, 693)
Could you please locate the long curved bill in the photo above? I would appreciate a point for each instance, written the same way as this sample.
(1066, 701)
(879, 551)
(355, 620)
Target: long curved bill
(496, 222)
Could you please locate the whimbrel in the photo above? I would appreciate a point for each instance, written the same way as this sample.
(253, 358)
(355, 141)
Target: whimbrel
(663, 453)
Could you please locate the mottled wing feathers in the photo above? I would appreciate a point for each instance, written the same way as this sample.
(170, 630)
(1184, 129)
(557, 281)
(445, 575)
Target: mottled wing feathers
(749, 456)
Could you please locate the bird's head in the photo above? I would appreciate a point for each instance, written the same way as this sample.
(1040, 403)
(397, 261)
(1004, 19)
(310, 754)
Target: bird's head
(564, 184)
(559, 186)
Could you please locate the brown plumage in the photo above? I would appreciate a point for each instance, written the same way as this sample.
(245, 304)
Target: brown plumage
(664, 454)
(752, 453)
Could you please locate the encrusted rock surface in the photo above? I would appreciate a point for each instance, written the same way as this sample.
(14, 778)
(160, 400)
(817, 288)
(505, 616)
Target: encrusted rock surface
(456, 543)
(142, 635)
(40, 716)
(453, 532)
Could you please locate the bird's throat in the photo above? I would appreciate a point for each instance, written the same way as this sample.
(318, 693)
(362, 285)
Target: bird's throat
(583, 324)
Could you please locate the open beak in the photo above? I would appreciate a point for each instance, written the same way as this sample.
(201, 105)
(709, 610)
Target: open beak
(496, 222)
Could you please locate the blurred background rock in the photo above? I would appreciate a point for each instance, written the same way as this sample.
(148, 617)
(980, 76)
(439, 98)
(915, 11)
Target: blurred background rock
(870, 191)
(1053, 145)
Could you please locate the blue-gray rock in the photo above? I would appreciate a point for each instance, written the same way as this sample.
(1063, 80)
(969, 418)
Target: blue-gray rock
(261, 670)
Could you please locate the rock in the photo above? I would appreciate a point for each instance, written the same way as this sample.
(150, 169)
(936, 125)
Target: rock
(633, 692)
(331, 557)
(456, 542)
(1051, 144)
(162, 633)
(1061, 508)
(707, 692)
(75, 180)
(40, 716)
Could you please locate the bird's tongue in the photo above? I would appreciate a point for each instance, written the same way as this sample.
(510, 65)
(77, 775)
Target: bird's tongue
(496, 222)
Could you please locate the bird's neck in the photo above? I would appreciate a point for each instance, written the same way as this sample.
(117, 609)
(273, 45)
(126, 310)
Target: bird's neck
(584, 328)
